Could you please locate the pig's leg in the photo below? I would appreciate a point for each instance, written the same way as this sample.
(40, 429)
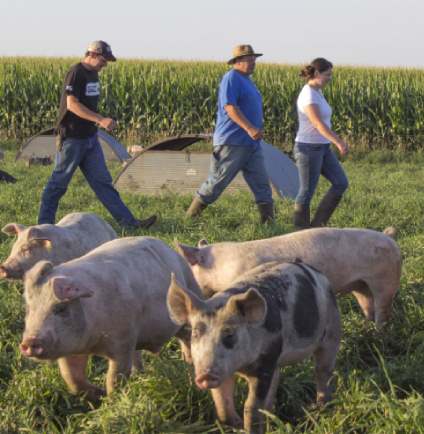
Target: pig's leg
(260, 390)
(365, 299)
(137, 363)
(383, 307)
(324, 363)
(184, 338)
(269, 402)
(72, 369)
(223, 399)
(119, 369)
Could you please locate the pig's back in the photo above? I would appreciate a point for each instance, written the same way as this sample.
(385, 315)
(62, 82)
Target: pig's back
(338, 253)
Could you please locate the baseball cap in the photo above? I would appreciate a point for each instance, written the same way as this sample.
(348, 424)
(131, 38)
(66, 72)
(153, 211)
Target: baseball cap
(102, 48)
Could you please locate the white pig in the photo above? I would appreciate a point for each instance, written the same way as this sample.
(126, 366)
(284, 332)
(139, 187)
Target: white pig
(133, 149)
(364, 262)
(274, 315)
(109, 302)
(72, 237)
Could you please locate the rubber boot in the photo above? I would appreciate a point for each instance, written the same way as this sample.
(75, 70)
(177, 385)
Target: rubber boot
(266, 210)
(196, 208)
(325, 209)
(301, 216)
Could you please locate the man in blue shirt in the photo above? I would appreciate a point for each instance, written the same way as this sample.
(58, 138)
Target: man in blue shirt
(237, 138)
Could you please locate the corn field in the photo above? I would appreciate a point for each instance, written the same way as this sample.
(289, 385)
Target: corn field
(372, 107)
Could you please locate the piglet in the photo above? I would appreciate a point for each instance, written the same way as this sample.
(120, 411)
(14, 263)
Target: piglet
(359, 261)
(109, 302)
(274, 315)
(72, 237)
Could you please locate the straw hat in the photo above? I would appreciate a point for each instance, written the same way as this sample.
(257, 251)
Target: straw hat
(240, 51)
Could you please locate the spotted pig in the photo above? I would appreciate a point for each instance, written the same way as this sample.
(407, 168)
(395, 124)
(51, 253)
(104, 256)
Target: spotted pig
(274, 315)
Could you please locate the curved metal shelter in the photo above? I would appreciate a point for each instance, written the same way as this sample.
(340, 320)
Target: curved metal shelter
(164, 166)
(43, 144)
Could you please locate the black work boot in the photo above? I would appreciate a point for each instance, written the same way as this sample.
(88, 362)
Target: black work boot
(266, 210)
(196, 208)
(325, 209)
(301, 216)
(144, 224)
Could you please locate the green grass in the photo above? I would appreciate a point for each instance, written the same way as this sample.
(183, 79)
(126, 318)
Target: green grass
(379, 383)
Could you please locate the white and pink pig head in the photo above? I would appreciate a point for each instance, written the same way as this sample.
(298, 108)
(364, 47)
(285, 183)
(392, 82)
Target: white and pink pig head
(32, 245)
(206, 264)
(55, 321)
(221, 330)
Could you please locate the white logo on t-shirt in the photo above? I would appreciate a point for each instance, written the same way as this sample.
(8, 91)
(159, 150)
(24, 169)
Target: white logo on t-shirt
(92, 89)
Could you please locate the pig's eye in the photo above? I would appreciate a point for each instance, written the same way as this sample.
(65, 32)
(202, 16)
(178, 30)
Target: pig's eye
(26, 250)
(59, 308)
(229, 338)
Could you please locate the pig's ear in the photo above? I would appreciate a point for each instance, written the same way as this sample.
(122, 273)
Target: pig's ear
(65, 288)
(13, 229)
(251, 305)
(202, 243)
(38, 270)
(192, 255)
(181, 302)
(38, 235)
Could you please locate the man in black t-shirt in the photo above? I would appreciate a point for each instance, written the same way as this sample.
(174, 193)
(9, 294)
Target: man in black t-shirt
(79, 144)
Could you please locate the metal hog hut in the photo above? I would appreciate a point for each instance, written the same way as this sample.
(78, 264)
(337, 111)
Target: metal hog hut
(163, 166)
(43, 144)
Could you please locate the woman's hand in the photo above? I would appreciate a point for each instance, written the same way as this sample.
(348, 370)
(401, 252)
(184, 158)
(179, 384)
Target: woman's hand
(344, 149)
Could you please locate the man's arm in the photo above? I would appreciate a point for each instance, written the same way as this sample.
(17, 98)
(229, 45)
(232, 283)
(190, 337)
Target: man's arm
(73, 105)
(238, 117)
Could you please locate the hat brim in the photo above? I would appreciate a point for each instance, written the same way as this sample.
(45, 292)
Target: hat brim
(233, 60)
(109, 57)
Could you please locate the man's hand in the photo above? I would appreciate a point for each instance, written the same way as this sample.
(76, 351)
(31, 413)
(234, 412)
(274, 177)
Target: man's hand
(108, 124)
(255, 133)
(237, 116)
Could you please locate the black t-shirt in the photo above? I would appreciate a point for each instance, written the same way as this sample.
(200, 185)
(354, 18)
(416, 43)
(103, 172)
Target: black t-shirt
(84, 85)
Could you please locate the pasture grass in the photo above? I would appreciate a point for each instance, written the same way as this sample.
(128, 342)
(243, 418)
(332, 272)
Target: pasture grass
(379, 378)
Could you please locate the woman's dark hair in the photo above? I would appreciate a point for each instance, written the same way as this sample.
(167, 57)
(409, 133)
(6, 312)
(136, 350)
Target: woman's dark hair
(320, 64)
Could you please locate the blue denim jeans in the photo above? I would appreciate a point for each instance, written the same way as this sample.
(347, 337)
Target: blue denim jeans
(227, 161)
(88, 155)
(314, 160)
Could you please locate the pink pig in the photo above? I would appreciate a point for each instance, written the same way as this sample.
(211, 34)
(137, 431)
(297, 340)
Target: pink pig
(364, 262)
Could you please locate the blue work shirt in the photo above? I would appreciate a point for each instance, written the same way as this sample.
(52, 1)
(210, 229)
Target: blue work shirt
(239, 90)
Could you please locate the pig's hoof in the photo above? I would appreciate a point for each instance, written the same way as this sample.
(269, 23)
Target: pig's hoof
(95, 395)
(325, 403)
(235, 422)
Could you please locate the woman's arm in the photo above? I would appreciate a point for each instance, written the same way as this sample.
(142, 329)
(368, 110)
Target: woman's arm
(314, 115)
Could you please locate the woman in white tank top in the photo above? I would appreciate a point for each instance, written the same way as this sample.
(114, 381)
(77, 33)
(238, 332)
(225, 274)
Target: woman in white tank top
(312, 148)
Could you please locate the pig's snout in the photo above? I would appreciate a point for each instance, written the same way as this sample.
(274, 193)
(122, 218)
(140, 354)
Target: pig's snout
(32, 347)
(3, 272)
(208, 381)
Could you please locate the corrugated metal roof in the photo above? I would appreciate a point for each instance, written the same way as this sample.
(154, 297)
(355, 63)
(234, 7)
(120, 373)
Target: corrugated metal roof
(155, 172)
(163, 166)
(44, 145)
